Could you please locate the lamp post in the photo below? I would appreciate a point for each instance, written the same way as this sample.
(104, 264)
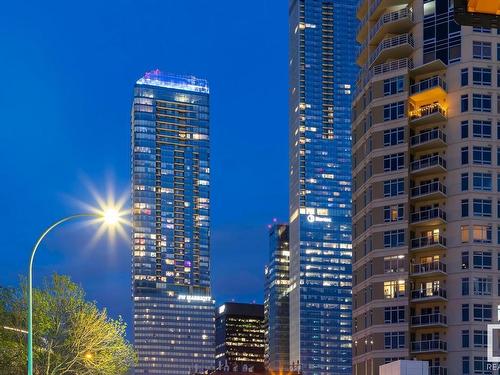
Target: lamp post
(109, 216)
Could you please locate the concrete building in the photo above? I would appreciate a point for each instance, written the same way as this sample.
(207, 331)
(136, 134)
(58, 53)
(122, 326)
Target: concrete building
(426, 177)
(405, 368)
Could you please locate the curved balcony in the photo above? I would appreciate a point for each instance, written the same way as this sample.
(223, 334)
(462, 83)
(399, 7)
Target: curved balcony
(429, 165)
(428, 140)
(427, 269)
(424, 295)
(362, 53)
(427, 114)
(432, 190)
(392, 22)
(430, 89)
(428, 243)
(429, 320)
(434, 216)
(394, 47)
(429, 346)
(362, 29)
(362, 9)
(433, 66)
(364, 76)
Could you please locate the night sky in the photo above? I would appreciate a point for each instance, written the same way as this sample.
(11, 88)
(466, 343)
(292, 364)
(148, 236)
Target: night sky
(68, 70)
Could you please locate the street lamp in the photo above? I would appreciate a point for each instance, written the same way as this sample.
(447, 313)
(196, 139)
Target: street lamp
(109, 216)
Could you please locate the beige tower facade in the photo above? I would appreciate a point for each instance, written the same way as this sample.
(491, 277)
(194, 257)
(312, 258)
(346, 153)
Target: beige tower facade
(426, 177)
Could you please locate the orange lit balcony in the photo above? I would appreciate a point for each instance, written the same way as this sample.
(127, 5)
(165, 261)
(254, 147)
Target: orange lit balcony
(427, 114)
(428, 139)
(429, 90)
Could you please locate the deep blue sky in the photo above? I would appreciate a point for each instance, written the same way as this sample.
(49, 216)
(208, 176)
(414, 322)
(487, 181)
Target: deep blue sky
(68, 69)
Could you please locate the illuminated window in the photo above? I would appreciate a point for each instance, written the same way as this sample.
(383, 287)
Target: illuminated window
(481, 233)
(464, 233)
(394, 289)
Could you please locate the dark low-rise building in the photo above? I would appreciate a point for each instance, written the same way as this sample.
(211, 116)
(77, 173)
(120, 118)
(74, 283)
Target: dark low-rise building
(240, 337)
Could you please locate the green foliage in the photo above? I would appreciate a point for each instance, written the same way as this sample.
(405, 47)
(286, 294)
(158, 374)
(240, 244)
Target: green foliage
(71, 335)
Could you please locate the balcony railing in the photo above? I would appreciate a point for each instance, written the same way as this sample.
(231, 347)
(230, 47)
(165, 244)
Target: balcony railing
(438, 370)
(428, 293)
(428, 136)
(427, 84)
(362, 49)
(427, 110)
(362, 23)
(423, 242)
(374, 5)
(428, 346)
(431, 161)
(363, 77)
(430, 188)
(396, 294)
(428, 267)
(388, 43)
(360, 4)
(429, 319)
(391, 17)
(433, 213)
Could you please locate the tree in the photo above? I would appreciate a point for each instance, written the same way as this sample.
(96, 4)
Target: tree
(71, 335)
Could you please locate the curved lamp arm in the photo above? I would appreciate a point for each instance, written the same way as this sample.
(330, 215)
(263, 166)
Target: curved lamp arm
(30, 282)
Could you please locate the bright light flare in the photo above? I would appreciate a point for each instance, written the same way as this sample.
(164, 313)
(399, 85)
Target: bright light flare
(112, 216)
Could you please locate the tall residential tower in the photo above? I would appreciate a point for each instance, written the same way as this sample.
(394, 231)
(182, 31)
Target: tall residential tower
(426, 177)
(173, 308)
(321, 72)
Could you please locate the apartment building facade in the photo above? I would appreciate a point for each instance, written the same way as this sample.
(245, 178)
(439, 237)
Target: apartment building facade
(426, 177)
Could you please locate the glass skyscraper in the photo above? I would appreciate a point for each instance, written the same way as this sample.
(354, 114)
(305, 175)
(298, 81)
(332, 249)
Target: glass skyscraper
(322, 73)
(276, 305)
(173, 309)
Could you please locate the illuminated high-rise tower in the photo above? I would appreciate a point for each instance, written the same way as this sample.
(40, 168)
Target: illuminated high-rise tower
(322, 73)
(173, 308)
